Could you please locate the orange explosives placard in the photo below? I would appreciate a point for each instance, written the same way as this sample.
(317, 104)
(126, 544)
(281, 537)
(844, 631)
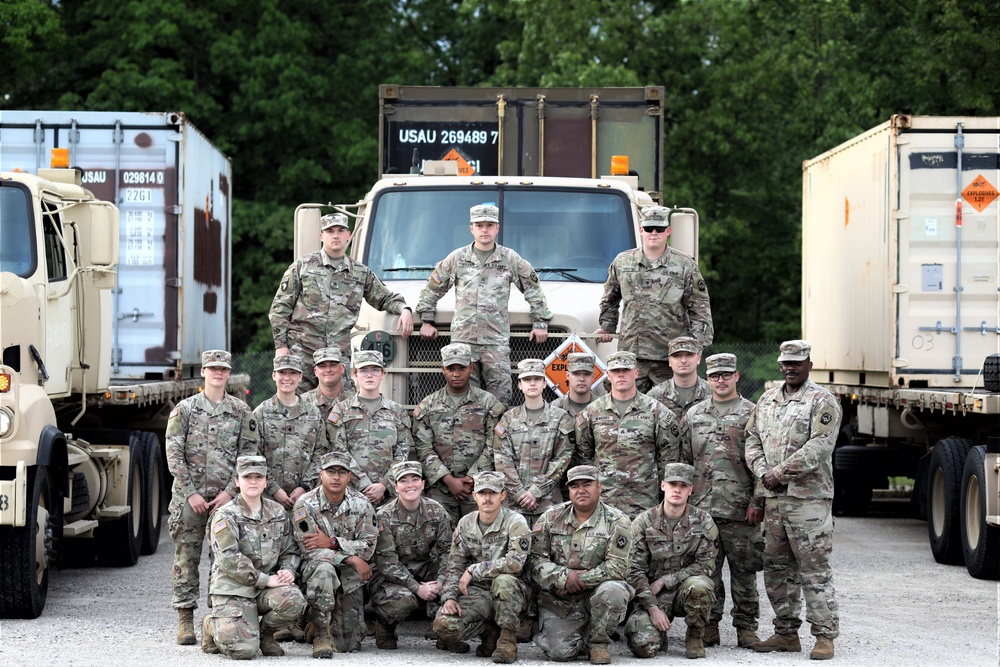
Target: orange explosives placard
(555, 365)
(464, 168)
(980, 193)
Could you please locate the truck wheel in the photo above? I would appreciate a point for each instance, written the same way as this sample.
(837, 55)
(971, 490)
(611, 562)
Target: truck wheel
(944, 485)
(853, 483)
(980, 542)
(118, 541)
(26, 554)
(152, 496)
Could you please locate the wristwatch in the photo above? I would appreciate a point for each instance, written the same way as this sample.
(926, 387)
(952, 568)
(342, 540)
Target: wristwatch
(334, 543)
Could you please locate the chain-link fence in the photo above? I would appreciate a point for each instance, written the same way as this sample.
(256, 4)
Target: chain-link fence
(757, 364)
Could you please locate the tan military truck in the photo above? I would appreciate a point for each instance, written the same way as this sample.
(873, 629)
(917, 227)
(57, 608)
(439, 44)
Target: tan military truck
(539, 155)
(900, 280)
(104, 312)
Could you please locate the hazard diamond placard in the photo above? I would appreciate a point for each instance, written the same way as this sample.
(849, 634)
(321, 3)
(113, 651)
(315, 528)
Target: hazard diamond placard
(555, 365)
(980, 193)
(464, 168)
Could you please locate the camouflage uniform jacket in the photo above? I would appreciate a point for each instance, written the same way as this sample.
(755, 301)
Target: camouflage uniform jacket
(374, 441)
(716, 436)
(502, 549)
(795, 436)
(601, 546)
(409, 542)
(291, 438)
(324, 404)
(664, 298)
(567, 405)
(204, 441)
(249, 548)
(533, 457)
(666, 393)
(686, 550)
(630, 451)
(454, 440)
(319, 299)
(352, 522)
(482, 292)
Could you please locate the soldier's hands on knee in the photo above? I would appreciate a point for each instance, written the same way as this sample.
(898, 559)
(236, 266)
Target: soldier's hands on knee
(659, 619)
(573, 582)
(428, 591)
(451, 608)
(360, 566)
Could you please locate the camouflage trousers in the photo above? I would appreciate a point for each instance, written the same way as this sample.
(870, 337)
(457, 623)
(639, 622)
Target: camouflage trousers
(187, 529)
(237, 621)
(743, 546)
(393, 602)
(651, 373)
(693, 600)
(568, 625)
(336, 599)
(491, 370)
(456, 508)
(798, 541)
(503, 603)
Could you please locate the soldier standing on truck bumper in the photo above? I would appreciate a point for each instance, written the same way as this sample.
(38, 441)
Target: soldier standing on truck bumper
(205, 435)
(482, 274)
(319, 298)
(663, 294)
(790, 440)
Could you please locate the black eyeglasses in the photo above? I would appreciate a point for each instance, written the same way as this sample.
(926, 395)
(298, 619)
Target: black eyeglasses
(716, 377)
(650, 230)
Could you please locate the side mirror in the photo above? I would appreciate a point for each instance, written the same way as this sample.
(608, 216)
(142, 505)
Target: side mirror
(307, 229)
(684, 231)
(104, 235)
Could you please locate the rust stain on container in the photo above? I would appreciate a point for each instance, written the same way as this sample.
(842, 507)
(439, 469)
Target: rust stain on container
(207, 249)
(210, 302)
(143, 140)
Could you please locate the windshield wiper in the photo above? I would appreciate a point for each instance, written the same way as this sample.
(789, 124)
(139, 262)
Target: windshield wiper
(564, 272)
(407, 268)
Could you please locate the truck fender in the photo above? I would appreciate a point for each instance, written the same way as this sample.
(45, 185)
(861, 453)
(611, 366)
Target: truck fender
(52, 453)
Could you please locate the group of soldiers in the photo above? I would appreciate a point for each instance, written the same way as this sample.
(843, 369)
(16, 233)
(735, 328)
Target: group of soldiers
(553, 521)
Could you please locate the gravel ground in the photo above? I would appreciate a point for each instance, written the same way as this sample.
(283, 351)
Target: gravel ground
(897, 607)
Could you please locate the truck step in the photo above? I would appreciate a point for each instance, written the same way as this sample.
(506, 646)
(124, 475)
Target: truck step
(79, 528)
(114, 511)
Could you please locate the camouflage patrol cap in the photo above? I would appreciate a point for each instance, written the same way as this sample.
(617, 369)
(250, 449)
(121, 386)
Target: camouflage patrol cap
(580, 361)
(582, 472)
(720, 363)
(489, 481)
(246, 465)
(531, 368)
(456, 353)
(402, 468)
(327, 354)
(334, 459)
(679, 472)
(795, 350)
(219, 358)
(484, 213)
(363, 358)
(292, 362)
(333, 220)
(684, 344)
(620, 360)
(655, 216)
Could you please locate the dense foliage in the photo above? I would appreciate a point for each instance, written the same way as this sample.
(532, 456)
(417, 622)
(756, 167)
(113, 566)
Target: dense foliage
(290, 89)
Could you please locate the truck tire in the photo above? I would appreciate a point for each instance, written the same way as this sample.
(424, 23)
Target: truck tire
(944, 484)
(27, 552)
(117, 542)
(853, 483)
(980, 542)
(152, 492)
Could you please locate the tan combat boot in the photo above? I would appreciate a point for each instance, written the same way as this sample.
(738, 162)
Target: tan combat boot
(823, 649)
(268, 644)
(711, 637)
(208, 635)
(599, 654)
(488, 640)
(321, 640)
(284, 634)
(185, 630)
(745, 637)
(506, 651)
(694, 645)
(447, 640)
(385, 636)
(787, 643)
(526, 630)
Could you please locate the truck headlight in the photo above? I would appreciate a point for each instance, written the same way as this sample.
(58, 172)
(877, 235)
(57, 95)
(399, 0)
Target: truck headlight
(6, 423)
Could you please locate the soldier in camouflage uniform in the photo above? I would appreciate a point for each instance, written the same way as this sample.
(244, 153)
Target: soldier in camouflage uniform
(253, 571)
(335, 528)
(413, 543)
(724, 487)
(629, 437)
(664, 296)
(580, 376)
(483, 588)
(580, 559)
(790, 440)
(205, 435)
(482, 274)
(320, 295)
(452, 433)
(328, 366)
(685, 388)
(291, 435)
(373, 430)
(673, 558)
(532, 445)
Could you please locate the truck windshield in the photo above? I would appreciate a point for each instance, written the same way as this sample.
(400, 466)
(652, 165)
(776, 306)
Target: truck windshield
(567, 235)
(17, 244)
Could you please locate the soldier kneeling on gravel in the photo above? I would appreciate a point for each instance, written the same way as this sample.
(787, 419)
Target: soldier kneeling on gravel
(253, 573)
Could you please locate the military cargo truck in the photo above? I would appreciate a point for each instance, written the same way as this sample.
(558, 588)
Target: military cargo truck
(114, 277)
(900, 280)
